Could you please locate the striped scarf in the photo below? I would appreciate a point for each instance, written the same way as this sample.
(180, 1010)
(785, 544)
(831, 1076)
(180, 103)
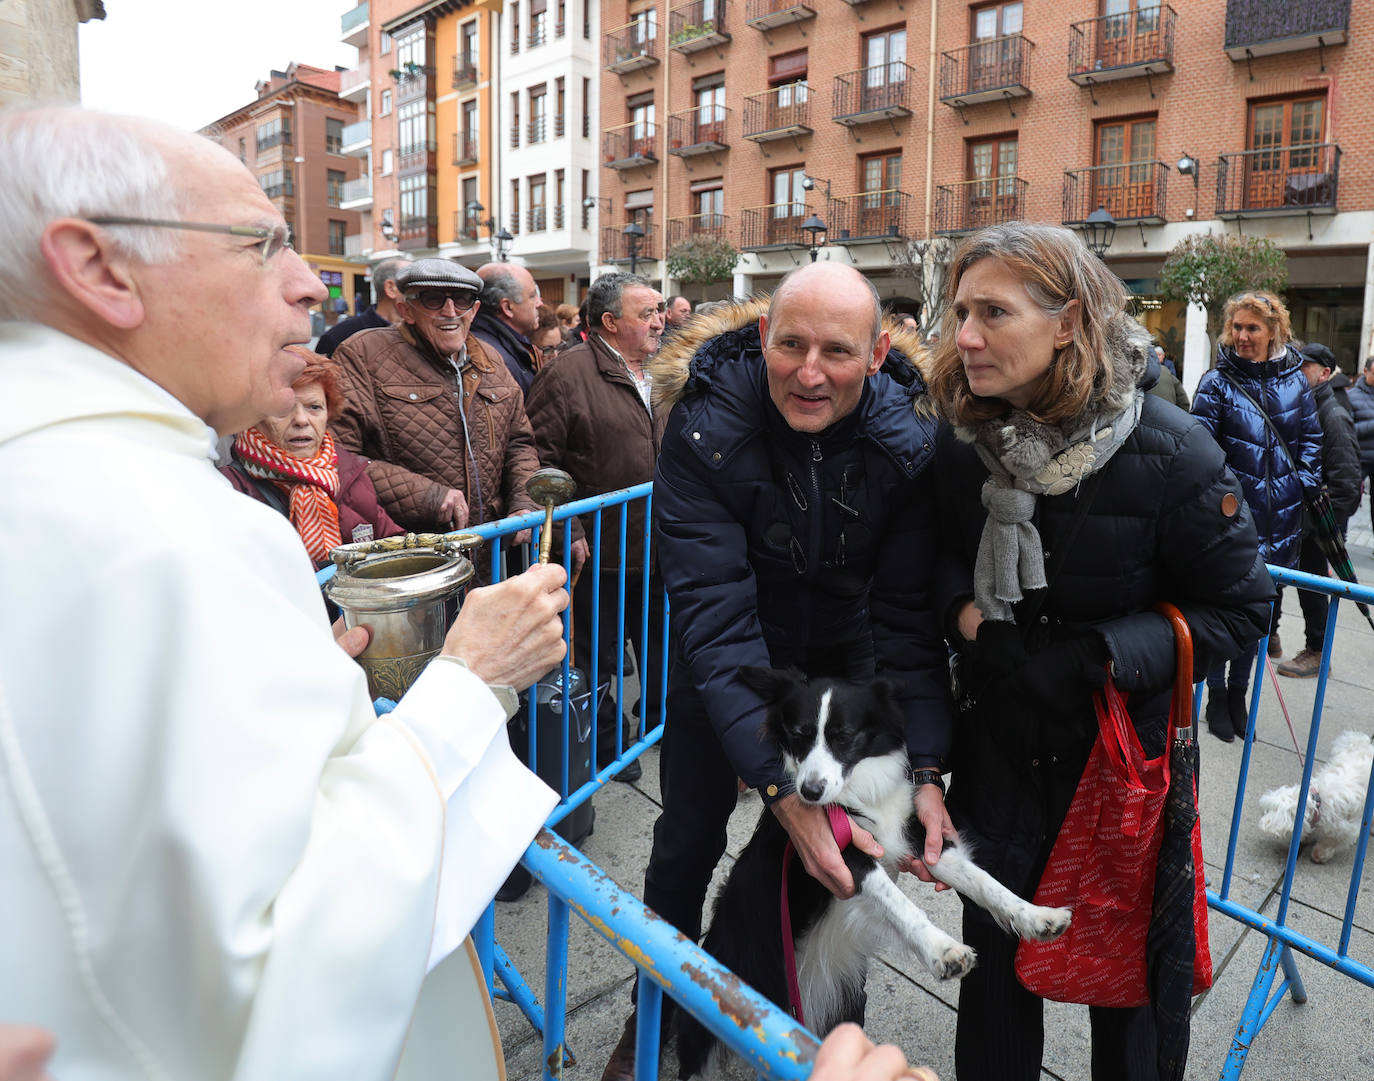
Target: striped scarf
(311, 483)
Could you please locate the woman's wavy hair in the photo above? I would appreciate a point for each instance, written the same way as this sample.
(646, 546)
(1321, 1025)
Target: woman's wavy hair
(1055, 268)
(1268, 307)
(324, 371)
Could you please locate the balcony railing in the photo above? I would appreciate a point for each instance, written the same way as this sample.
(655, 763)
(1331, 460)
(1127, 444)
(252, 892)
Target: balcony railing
(869, 215)
(353, 26)
(356, 245)
(1133, 191)
(778, 113)
(418, 232)
(537, 219)
(465, 73)
(355, 192)
(354, 83)
(973, 204)
(630, 47)
(630, 145)
(465, 228)
(558, 126)
(356, 138)
(716, 226)
(698, 131)
(278, 138)
(1133, 43)
(558, 216)
(515, 136)
(538, 129)
(698, 25)
(615, 245)
(768, 14)
(1279, 180)
(986, 71)
(538, 34)
(1262, 27)
(774, 225)
(464, 149)
(412, 81)
(875, 93)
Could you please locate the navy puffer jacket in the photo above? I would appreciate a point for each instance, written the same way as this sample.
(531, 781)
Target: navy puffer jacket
(778, 548)
(1361, 396)
(1272, 487)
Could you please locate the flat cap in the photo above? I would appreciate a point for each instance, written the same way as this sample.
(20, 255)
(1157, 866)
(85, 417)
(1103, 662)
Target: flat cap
(1317, 353)
(437, 274)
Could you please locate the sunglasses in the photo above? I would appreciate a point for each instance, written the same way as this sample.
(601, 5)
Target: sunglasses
(270, 240)
(434, 299)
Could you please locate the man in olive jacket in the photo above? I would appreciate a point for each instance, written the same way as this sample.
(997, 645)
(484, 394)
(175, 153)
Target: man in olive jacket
(441, 418)
(592, 417)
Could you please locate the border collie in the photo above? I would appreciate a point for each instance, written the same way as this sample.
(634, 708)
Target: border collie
(842, 742)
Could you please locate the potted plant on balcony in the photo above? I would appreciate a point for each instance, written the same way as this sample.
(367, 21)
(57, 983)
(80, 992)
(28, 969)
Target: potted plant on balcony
(702, 259)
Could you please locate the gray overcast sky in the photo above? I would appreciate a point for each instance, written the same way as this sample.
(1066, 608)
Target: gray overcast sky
(189, 62)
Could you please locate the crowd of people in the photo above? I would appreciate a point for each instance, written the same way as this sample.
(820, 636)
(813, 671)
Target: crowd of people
(208, 827)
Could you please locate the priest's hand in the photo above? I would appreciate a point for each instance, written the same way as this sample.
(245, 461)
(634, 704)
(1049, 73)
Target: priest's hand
(352, 640)
(511, 632)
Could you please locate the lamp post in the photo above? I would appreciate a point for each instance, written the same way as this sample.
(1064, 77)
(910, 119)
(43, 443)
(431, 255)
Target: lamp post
(1101, 230)
(500, 242)
(503, 242)
(1188, 166)
(634, 233)
(814, 226)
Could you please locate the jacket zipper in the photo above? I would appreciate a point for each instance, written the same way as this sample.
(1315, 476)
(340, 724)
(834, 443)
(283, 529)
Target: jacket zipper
(813, 555)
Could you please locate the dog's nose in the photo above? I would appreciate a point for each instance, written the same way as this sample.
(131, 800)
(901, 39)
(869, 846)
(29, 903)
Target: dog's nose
(812, 791)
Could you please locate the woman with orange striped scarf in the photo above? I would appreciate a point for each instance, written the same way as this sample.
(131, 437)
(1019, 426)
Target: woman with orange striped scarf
(290, 462)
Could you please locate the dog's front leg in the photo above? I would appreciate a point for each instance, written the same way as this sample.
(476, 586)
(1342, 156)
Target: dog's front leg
(945, 957)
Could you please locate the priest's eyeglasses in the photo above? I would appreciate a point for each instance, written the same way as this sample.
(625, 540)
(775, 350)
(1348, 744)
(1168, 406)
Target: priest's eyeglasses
(270, 240)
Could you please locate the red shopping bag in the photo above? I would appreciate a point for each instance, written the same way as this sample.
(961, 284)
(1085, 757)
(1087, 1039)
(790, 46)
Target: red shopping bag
(1103, 867)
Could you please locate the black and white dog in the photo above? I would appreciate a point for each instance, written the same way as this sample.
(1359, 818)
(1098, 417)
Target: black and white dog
(842, 742)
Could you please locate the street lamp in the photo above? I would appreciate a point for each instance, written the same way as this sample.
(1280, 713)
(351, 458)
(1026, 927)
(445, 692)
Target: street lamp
(500, 242)
(503, 242)
(1188, 166)
(1101, 230)
(816, 228)
(634, 233)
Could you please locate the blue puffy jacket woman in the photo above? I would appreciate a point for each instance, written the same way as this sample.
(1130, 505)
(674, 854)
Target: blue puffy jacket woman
(1257, 369)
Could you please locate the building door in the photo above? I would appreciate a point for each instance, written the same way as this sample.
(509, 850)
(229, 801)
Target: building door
(994, 58)
(992, 194)
(1128, 32)
(1126, 166)
(789, 206)
(1284, 162)
(880, 179)
(884, 79)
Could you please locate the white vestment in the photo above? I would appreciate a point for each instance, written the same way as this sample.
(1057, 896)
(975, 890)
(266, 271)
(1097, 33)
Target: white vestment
(215, 861)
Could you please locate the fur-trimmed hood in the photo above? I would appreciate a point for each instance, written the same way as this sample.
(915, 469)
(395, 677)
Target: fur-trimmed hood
(675, 366)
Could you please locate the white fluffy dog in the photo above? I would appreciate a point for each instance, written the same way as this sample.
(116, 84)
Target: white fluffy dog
(1335, 802)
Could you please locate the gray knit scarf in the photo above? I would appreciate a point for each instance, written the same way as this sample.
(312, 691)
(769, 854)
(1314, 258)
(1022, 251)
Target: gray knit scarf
(1026, 459)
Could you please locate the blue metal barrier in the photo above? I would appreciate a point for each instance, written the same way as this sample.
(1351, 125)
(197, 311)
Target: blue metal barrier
(1284, 940)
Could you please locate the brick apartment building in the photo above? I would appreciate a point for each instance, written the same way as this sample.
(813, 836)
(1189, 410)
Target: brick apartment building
(291, 137)
(477, 132)
(890, 121)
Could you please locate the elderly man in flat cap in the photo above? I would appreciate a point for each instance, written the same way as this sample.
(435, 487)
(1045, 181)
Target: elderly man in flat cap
(441, 417)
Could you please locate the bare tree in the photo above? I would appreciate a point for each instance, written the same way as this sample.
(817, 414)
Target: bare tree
(925, 262)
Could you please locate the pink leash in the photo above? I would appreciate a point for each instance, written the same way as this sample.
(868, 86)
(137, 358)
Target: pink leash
(839, 826)
(1273, 676)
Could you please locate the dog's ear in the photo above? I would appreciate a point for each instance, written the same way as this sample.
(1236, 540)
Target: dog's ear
(770, 684)
(884, 690)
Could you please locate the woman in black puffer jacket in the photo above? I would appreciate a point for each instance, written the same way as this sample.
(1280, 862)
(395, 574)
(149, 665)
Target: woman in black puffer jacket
(1073, 503)
(1259, 375)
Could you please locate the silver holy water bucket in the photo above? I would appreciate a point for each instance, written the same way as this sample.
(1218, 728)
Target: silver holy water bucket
(407, 590)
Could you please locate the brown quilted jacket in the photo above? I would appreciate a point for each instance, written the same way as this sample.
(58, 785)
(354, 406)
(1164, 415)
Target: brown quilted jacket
(588, 419)
(401, 409)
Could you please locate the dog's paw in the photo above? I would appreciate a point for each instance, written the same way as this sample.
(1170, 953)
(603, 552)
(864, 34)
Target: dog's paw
(955, 963)
(1322, 854)
(1044, 924)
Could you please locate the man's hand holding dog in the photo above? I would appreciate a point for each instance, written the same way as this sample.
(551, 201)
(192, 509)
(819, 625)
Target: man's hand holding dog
(930, 809)
(809, 827)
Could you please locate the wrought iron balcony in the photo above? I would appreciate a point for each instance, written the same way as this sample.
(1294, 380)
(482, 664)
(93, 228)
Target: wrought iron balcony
(698, 25)
(538, 129)
(778, 113)
(770, 14)
(630, 47)
(464, 149)
(874, 93)
(630, 145)
(615, 245)
(715, 226)
(973, 204)
(1279, 180)
(698, 131)
(1134, 43)
(986, 71)
(869, 215)
(465, 73)
(774, 225)
(1264, 27)
(536, 219)
(558, 216)
(515, 136)
(465, 228)
(1134, 191)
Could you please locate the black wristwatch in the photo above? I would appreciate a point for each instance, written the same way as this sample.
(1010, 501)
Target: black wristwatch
(919, 777)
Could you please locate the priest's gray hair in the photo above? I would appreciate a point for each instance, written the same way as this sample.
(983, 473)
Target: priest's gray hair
(62, 161)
